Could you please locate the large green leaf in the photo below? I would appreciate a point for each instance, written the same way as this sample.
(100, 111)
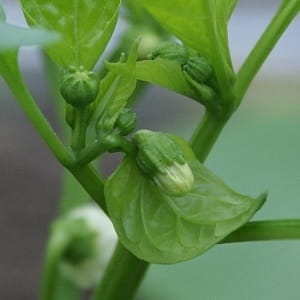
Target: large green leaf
(85, 25)
(159, 228)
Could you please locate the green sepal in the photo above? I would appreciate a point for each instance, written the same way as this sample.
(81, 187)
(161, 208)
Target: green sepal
(159, 228)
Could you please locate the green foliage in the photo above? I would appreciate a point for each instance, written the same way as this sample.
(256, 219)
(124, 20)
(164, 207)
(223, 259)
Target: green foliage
(159, 228)
(85, 25)
(202, 16)
(13, 37)
(165, 73)
(115, 89)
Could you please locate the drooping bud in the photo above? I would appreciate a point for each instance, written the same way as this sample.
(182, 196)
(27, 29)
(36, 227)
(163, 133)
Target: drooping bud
(126, 121)
(162, 159)
(79, 87)
(171, 51)
(198, 68)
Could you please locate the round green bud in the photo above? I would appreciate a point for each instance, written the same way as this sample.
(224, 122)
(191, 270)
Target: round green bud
(79, 87)
(126, 122)
(162, 159)
(171, 51)
(198, 68)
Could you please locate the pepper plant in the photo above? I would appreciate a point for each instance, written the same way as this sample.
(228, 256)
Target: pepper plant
(165, 205)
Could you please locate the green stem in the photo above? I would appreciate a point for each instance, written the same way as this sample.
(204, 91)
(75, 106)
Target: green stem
(34, 114)
(55, 248)
(122, 277)
(92, 182)
(284, 16)
(79, 131)
(206, 134)
(90, 153)
(266, 231)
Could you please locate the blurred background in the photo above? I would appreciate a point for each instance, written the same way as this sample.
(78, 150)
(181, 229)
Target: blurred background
(259, 150)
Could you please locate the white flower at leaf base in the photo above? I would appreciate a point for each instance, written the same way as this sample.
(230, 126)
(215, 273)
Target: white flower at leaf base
(101, 240)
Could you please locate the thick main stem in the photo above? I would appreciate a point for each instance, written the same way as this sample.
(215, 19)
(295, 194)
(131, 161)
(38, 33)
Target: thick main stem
(122, 277)
(206, 134)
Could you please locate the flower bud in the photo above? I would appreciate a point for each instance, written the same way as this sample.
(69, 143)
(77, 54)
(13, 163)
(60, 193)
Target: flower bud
(162, 159)
(171, 51)
(91, 245)
(126, 122)
(177, 180)
(198, 68)
(79, 87)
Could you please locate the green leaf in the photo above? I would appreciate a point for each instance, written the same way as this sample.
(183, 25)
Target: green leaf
(116, 88)
(205, 31)
(159, 228)
(165, 73)
(85, 25)
(13, 37)
(201, 14)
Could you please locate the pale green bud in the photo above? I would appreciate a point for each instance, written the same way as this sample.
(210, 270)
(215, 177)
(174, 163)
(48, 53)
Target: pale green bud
(177, 181)
(162, 159)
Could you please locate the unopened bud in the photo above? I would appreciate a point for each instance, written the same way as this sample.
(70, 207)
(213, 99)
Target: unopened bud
(171, 51)
(79, 87)
(126, 122)
(162, 159)
(198, 68)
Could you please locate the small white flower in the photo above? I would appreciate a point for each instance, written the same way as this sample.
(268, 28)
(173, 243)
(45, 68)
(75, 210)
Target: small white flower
(89, 271)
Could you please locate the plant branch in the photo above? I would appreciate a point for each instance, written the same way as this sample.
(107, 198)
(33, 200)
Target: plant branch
(34, 114)
(284, 16)
(206, 134)
(266, 231)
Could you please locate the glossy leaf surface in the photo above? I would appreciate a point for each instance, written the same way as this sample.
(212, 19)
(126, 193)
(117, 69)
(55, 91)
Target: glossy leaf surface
(116, 88)
(165, 73)
(191, 20)
(163, 229)
(85, 25)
